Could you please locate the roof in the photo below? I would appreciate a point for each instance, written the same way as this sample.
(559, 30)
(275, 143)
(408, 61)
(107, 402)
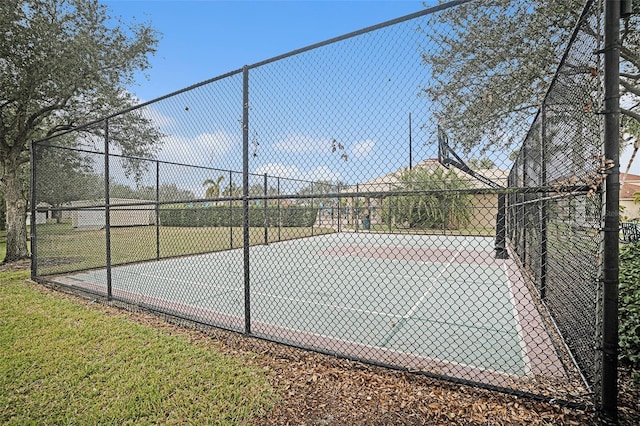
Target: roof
(629, 177)
(389, 181)
(628, 190)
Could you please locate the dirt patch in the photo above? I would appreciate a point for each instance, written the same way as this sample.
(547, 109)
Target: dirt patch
(317, 389)
(15, 266)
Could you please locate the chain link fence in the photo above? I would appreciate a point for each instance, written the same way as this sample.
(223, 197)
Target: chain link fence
(555, 220)
(321, 199)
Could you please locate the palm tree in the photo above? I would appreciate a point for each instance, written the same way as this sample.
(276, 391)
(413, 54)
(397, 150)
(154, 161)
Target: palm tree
(232, 191)
(213, 190)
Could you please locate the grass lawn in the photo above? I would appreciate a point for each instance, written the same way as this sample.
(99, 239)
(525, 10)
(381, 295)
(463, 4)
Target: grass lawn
(62, 248)
(3, 244)
(61, 363)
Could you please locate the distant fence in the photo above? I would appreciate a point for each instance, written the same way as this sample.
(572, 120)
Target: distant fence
(327, 159)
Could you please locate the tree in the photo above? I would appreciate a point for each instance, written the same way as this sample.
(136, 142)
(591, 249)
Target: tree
(493, 69)
(65, 176)
(213, 187)
(319, 190)
(440, 201)
(232, 191)
(64, 63)
(481, 163)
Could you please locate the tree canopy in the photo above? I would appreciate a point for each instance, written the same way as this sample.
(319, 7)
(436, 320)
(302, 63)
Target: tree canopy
(64, 63)
(493, 66)
(440, 202)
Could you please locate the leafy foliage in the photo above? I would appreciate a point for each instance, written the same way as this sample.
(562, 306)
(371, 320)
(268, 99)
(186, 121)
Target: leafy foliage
(213, 187)
(65, 176)
(494, 67)
(440, 201)
(65, 63)
(224, 216)
(629, 305)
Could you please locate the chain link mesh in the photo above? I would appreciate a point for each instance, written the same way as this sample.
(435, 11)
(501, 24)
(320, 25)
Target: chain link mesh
(555, 220)
(321, 214)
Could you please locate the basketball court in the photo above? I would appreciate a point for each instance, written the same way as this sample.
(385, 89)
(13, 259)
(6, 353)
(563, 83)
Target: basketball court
(441, 301)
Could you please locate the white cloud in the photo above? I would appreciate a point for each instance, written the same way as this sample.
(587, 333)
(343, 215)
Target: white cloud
(362, 149)
(321, 173)
(279, 170)
(161, 120)
(201, 150)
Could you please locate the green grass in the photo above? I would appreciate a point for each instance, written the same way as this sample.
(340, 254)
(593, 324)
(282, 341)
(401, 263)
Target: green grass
(3, 244)
(61, 363)
(61, 248)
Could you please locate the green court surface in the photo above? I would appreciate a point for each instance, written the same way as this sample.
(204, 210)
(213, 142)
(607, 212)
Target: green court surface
(421, 301)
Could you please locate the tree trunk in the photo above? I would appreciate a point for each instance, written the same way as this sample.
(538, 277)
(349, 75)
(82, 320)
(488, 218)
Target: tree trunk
(16, 217)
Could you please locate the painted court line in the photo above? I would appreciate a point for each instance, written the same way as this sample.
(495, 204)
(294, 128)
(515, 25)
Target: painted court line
(516, 315)
(433, 281)
(328, 305)
(295, 273)
(415, 307)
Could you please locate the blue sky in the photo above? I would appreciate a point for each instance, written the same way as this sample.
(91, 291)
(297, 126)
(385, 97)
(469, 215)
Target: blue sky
(298, 114)
(202, 39)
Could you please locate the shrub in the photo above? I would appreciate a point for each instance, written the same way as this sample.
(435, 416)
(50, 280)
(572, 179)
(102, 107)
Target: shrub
(444, 204)
(222, 216)
(629, 304)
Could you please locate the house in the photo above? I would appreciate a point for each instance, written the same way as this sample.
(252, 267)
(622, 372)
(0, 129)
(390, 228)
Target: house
(90, 214)
(485, 205)
(627, 195)
(41, 216)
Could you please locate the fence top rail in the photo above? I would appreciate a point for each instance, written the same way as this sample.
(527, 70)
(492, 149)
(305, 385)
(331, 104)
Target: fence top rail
(427, 11)
(138, 106)
(369, 29)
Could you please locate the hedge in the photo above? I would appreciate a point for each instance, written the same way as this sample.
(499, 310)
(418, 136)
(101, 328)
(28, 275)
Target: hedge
(629, 304)
(220, 216)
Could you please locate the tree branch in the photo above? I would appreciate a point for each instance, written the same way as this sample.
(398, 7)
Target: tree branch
(43, 112)
(630, 76)
(629, 55)
(7, 102)
(629, 113)
(630, 87)
(59, 128)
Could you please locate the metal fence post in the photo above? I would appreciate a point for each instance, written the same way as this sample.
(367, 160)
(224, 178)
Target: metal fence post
(523, 209)
(157, 210)
(107, 208)
(266, 213)
(501, 231)
(609, 387)
(245, 197)
(339, 210)
(230, 210)
(279, 210)
(543, 203)
(34, 220)
(356, 212)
